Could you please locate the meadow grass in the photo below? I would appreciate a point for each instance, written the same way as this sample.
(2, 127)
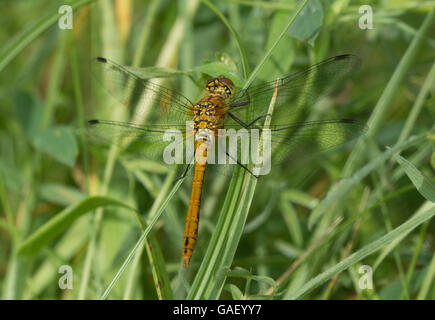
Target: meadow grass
(304, 232)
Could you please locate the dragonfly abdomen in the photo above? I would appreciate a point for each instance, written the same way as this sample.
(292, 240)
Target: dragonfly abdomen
(192, 219)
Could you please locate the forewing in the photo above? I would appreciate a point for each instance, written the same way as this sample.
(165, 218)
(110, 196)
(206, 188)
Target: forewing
(157, 103)
(296, 93)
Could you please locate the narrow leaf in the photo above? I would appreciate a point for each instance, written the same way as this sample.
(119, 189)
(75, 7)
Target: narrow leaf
(62, 220)
(423, 184)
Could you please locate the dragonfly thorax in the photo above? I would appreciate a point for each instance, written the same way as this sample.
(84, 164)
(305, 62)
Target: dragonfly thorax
(209, 113)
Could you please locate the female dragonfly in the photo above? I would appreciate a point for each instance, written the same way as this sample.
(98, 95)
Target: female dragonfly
(222, 107)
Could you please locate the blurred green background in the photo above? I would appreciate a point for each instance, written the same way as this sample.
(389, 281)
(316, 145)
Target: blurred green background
(50, 175)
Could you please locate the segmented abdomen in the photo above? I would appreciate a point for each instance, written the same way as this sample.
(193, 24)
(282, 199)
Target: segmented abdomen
(192, 219)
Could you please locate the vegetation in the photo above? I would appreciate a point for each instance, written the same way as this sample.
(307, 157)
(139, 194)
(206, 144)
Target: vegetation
(315, 229)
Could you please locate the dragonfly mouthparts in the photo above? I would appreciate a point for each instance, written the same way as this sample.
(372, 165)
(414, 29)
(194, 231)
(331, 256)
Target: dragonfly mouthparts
(101, 59)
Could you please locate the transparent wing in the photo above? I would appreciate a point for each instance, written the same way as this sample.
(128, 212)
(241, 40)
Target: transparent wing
(296, 92)
(289, 139)
(159, 103)
(149, 141)
(166, 109)
(298, 141)
(287, 143)
(294, 142)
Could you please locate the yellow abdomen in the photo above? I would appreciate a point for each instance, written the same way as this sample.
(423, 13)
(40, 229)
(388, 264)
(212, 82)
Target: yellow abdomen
(192, 219)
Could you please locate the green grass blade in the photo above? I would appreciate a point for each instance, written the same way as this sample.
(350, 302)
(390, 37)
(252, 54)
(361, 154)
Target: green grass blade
(418, 105)
(360, 174)
(422, 183)
(404, 228)
(428, 280)
(158, 268)
(416, 254)
(158, 207)
(377, 115)
(208, 282)
(64, 219)
(339, 190)
(236, 37)
(265, 58)
(25, 37)
(390, 92)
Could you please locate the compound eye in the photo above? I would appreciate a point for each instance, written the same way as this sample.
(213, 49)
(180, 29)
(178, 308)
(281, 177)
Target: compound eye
(211, 85)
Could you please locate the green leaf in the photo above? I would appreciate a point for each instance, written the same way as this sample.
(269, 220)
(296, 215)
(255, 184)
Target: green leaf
(307, 24)
(284, 52)
(59, 142)
(28, 111)
(423, 184)
(298, 8)
(215, 69)
(239, 272)
(62, 220)
(291, 219)
(235, 35)
(236, 293)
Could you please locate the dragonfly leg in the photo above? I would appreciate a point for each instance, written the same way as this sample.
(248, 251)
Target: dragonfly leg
(241, 104)
(247, 125)
(242, 165)
(187, 167)
(184, 172)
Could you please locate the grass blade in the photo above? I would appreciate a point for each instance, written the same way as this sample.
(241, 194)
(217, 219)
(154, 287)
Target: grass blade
(159, 205)
(422, 183)
(235, 36)
(64, 219)
(404, 228)
(24, 38)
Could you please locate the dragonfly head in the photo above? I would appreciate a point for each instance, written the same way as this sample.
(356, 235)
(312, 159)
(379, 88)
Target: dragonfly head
(220, 85)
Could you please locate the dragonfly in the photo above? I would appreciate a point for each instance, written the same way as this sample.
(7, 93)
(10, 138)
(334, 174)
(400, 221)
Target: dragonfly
(168, 112)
